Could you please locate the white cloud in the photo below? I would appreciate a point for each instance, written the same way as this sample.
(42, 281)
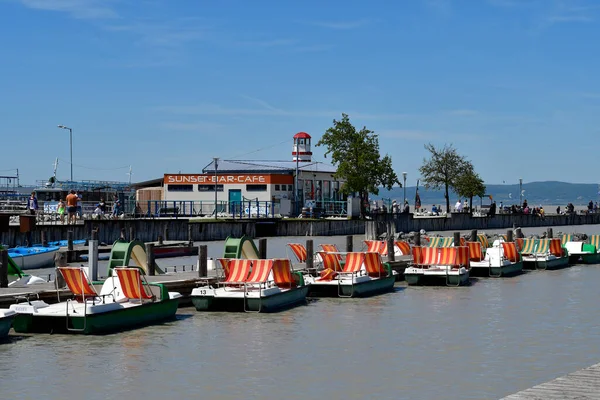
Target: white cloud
(83, 9)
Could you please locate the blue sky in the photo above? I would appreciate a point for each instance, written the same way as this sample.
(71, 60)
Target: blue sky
(165, 85)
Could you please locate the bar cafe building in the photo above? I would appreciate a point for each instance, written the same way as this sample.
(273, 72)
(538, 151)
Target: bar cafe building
(273, 181)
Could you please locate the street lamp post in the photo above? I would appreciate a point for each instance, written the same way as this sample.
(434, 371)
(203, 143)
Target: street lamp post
(216, 162)
(520, 191)
(70, 146)
(404, 186)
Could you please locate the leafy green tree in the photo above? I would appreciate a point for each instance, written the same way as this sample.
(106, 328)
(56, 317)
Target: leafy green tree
(443, 168)
(469, 184)
(358, 161)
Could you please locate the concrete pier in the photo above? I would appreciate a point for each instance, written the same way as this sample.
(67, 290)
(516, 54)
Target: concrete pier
(583, 384)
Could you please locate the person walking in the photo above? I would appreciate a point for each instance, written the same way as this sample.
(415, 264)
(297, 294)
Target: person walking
(32, 204)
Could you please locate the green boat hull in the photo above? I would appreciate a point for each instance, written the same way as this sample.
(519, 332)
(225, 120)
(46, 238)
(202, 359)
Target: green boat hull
(592, 258)
(541, 264)
(437, 280)
(277, 302)
(363, 289)
(102, 323)
(498, 272)
(5, 324)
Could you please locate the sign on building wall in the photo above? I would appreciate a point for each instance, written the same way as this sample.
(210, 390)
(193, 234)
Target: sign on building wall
(228, 179)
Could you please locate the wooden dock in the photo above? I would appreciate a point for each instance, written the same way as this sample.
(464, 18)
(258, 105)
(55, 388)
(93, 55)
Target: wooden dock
(580, 385)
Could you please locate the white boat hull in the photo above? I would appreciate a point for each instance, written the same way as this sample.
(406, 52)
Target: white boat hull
(35, 261)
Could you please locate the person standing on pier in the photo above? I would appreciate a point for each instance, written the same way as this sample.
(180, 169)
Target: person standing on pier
(116, 207)
(32, 204)
(71, 207)
(61, 210)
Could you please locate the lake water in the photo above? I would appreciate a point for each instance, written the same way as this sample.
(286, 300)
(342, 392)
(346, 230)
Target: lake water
(485, 341)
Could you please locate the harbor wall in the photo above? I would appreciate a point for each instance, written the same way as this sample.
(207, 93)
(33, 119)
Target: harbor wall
(181, 229)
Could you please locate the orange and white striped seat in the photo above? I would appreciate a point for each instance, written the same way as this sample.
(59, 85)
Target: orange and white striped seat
(417, 255)
(447, 256)
(260, 271)
(462, 257)
(354, 262)
(224, 263)
(299, 251)
(429, 256)
(374, 265)
(510, 251)
(383, 248)
(556, 247)
(282, 273)
(463, 242)
(475, 251)
(331, 248)
(238, 271)
(374, 246)
(520, 242)
(331, 266)
(404, 247)
(78, 283)
(131, 284)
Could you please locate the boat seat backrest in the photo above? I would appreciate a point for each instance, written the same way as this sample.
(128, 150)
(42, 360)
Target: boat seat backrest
(239, 269)
(481, 238)
(475, 251)
(595, 241)
(565, 239)
(78, 282)
(543, 246)
(354, 262)
(330, 261)
(261, 269)
(282, 273)
(299, 251)
(404, 247)
(529, 246)
(374, 265)
(331, 248)
(131, 284)
(510, 251)
(447, 256)
(429, 255)
(555, 247)
(373, 246)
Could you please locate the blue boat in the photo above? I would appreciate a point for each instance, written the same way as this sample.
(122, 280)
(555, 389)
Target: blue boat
(63, 243)
(33, 257)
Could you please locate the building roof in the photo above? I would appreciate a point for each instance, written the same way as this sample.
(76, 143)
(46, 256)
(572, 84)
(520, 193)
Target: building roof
(158, 182)
(301, 135)
(256, 166)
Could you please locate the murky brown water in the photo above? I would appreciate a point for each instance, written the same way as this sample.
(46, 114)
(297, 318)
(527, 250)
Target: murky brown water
(496, 337)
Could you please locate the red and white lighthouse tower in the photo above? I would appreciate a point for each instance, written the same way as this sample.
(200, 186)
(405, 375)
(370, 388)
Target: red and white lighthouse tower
(301, 151)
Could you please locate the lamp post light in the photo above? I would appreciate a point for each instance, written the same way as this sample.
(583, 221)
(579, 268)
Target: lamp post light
(70, 146)
(520, 191)
(216, 162)
(404, 186)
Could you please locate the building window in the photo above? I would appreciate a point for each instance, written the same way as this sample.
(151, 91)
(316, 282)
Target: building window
(277, 188)
(256, 188)
(209, 188)
(180, 188)
(290, 188)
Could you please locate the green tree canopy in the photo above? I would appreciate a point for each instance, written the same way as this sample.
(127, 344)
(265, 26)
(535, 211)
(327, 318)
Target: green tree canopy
(443, 168)
(357, 158)
(469, 184)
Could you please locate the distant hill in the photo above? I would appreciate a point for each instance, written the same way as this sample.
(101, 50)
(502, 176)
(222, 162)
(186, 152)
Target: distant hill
(547, 193)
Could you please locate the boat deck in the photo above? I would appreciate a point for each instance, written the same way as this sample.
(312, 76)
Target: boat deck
(583, 384)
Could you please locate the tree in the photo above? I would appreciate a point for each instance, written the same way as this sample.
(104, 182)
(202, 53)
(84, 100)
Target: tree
(469, 184)
(443, 169)
(358, 161)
